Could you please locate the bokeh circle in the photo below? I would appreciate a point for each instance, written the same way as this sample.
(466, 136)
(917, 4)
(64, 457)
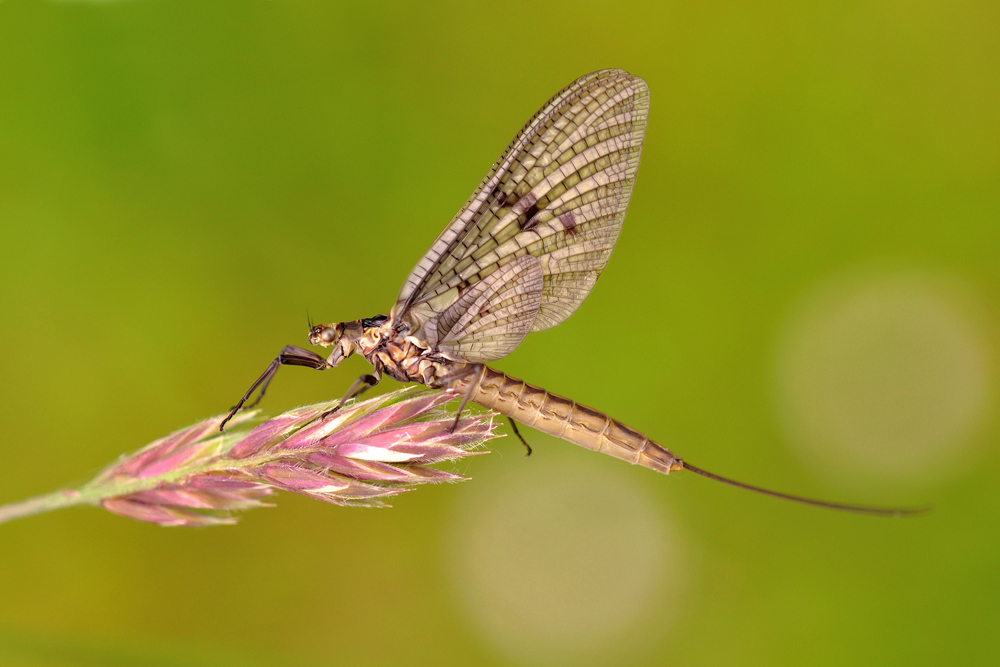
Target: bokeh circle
(885, 373)
(564, 563)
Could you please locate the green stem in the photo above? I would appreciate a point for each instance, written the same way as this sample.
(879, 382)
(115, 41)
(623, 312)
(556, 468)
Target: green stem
(46, 503)
(93, 494)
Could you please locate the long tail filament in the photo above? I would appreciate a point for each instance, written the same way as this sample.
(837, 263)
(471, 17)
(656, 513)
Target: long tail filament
(859, 509)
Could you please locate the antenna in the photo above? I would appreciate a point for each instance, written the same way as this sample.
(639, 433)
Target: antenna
(858, 509)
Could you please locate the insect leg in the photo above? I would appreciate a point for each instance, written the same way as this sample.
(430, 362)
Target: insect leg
(478, 369)
(360, 386)
(513, 426)
(290, 355)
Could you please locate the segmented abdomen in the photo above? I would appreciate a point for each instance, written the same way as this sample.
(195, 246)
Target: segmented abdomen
(563, 418)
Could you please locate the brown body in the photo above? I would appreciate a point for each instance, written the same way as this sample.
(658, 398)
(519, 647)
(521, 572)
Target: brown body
(563, 418)
(405, 360)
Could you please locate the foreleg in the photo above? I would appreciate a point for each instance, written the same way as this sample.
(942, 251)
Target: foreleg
(289, 356)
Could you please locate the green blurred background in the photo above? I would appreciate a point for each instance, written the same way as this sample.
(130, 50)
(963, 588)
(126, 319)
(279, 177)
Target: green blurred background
(804, 296)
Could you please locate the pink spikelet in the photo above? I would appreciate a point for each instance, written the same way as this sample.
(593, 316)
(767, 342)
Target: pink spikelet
(356, 456)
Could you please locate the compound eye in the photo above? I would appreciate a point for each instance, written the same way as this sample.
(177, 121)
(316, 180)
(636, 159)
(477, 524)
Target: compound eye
(328, 335)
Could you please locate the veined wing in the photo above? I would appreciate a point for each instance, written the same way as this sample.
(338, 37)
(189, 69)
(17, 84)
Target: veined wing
(558, 193)
(491, 317)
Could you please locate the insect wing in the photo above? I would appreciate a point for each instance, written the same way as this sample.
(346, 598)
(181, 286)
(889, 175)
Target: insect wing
(491, 317)
(558, 193)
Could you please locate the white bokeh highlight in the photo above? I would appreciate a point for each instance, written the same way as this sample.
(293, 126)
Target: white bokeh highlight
(887, 374)
(564, 563)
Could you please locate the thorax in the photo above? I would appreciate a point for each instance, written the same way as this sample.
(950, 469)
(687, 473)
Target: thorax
(404, 358)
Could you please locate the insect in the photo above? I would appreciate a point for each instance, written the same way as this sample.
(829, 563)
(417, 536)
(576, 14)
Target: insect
(521, 255)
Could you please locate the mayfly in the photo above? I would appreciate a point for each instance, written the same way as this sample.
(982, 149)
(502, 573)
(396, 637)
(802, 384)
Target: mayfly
(521, 255)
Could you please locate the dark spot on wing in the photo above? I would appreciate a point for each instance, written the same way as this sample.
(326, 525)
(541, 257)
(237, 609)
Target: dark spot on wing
(527, 201)
(529, 218)
(568, 221)
(528, 205)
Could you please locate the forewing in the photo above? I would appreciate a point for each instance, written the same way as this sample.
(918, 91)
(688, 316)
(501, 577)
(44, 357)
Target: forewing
(491, 317)
(558, 193)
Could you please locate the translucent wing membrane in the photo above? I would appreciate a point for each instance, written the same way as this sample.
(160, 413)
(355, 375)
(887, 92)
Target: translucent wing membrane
(492, 316)
(558, 193)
